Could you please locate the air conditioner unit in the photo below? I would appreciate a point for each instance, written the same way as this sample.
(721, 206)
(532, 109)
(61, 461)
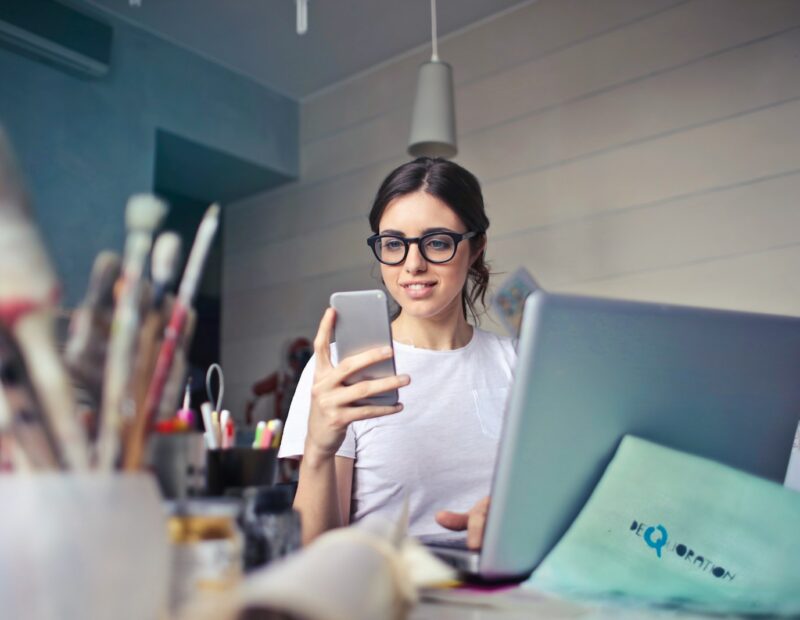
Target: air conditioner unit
(59, 35)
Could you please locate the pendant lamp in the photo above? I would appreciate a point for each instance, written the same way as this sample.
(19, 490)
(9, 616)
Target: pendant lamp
(433, 125)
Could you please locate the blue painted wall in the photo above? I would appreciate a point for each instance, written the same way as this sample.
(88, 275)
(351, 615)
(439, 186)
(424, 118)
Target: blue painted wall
(85, 145)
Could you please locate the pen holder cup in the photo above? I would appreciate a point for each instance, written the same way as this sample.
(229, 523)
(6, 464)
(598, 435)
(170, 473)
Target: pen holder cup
(82, 546)
(179, 462)
(239, 468)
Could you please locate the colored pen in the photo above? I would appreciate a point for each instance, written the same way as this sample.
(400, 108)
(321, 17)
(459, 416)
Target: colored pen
(260, 428)
(227, 429)
(208, 424)
(185, 413)
(276, 428)
(216, 428)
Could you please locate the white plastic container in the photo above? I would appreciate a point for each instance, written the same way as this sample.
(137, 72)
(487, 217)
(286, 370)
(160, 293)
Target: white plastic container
(82, 546)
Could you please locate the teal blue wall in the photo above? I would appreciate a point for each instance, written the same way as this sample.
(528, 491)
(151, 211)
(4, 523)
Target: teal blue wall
(86, 144)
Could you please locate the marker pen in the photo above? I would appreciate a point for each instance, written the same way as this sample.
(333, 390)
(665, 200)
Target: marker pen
(208, 423)
(185, 413)
(276, 426)
(260, 428)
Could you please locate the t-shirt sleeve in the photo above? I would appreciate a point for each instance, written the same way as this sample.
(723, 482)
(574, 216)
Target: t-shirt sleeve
(296, 428)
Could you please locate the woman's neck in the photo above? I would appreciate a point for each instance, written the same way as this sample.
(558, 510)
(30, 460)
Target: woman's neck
(440, 333)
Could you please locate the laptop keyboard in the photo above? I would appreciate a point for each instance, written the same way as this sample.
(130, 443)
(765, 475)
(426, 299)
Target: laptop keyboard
(450, 542)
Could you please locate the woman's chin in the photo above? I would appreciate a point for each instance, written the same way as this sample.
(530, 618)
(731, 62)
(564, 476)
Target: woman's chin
(427, 308)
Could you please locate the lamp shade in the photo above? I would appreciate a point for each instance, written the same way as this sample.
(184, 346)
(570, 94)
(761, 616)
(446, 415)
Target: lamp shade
(433, 125)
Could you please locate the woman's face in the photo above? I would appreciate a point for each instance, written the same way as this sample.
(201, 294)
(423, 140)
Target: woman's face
(421, 288)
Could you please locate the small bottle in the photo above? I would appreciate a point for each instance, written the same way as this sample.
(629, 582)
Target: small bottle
(271, 526)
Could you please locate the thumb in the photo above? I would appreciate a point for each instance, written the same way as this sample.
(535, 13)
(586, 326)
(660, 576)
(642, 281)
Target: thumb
(452, 520)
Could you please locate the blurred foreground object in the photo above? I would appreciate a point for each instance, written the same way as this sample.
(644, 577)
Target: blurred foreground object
(366, 571)
(206, 548)
(23, 418)
(28, 297)
(271, 526)
(90, 329)
(82, 546)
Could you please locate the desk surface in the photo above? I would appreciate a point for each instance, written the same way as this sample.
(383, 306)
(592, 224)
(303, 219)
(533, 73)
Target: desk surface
(451, 611)
(518, 604)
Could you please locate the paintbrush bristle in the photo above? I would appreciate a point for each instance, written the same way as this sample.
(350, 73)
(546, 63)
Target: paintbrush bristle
(105, 271)
(144, 212)
(166, 256)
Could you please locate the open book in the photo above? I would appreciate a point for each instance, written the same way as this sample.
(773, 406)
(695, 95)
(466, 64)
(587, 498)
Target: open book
(368, 570)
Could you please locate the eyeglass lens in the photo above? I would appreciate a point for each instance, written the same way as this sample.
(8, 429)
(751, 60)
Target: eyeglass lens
(434, 248)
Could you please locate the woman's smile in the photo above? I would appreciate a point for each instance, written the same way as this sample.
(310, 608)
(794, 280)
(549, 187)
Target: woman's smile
(418, 289)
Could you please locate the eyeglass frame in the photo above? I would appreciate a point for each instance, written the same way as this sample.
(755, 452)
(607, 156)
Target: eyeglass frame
(407, 241)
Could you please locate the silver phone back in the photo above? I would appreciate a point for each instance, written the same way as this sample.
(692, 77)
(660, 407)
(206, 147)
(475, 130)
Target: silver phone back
(362, 323)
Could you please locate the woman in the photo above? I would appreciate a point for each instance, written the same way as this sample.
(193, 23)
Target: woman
(438, 447)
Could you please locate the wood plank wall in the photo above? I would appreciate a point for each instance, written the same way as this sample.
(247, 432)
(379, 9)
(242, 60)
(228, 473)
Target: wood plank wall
(646, 149)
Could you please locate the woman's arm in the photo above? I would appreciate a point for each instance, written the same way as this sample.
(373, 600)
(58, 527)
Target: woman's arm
(323, 494)
(324, 487)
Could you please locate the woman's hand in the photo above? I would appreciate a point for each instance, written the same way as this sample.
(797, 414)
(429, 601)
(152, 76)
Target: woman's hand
(332, 408)
(473, 521)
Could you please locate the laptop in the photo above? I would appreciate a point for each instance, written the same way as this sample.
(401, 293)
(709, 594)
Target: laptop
(719, 384)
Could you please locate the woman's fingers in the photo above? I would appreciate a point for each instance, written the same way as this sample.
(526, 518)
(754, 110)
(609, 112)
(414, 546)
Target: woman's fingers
(322, 341)
(452, 520)
(475, 525)
(359, 361)
(473, 521)
(364, 389)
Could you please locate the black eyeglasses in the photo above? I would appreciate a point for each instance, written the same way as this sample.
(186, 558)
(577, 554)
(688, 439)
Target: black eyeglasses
(435, 247)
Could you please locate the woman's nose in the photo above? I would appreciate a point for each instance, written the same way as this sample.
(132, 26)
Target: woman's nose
(415, 262)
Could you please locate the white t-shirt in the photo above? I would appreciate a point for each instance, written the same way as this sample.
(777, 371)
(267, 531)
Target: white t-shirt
(440, 449)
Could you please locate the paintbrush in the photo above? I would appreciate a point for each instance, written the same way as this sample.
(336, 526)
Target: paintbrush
(164, 264)
(164, 268)
(24, 421)
(85, 351)
(6, 463)
(12, 458)
(173, 333)
(171, 393)
(28, 297)
(143, 215)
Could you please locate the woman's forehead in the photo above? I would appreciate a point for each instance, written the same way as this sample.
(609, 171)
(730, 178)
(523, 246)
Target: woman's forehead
(418, 211)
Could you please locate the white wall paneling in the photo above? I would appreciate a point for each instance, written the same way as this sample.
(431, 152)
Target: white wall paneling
(647, 149)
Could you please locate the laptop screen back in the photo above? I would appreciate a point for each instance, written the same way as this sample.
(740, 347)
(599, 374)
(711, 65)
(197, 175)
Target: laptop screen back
(723, 385)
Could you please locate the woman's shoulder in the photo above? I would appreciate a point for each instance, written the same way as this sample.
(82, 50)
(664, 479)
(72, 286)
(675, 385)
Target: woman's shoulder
(502, 344)
(487, 336)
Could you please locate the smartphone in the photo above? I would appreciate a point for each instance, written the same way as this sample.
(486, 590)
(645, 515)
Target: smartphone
(362, 323)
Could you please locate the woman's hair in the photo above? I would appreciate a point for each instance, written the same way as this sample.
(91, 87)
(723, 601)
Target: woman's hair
(458, 189)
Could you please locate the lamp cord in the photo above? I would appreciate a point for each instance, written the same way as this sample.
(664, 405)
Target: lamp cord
(435, 55)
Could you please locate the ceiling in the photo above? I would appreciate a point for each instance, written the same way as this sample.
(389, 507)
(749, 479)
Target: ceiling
(257, 38)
